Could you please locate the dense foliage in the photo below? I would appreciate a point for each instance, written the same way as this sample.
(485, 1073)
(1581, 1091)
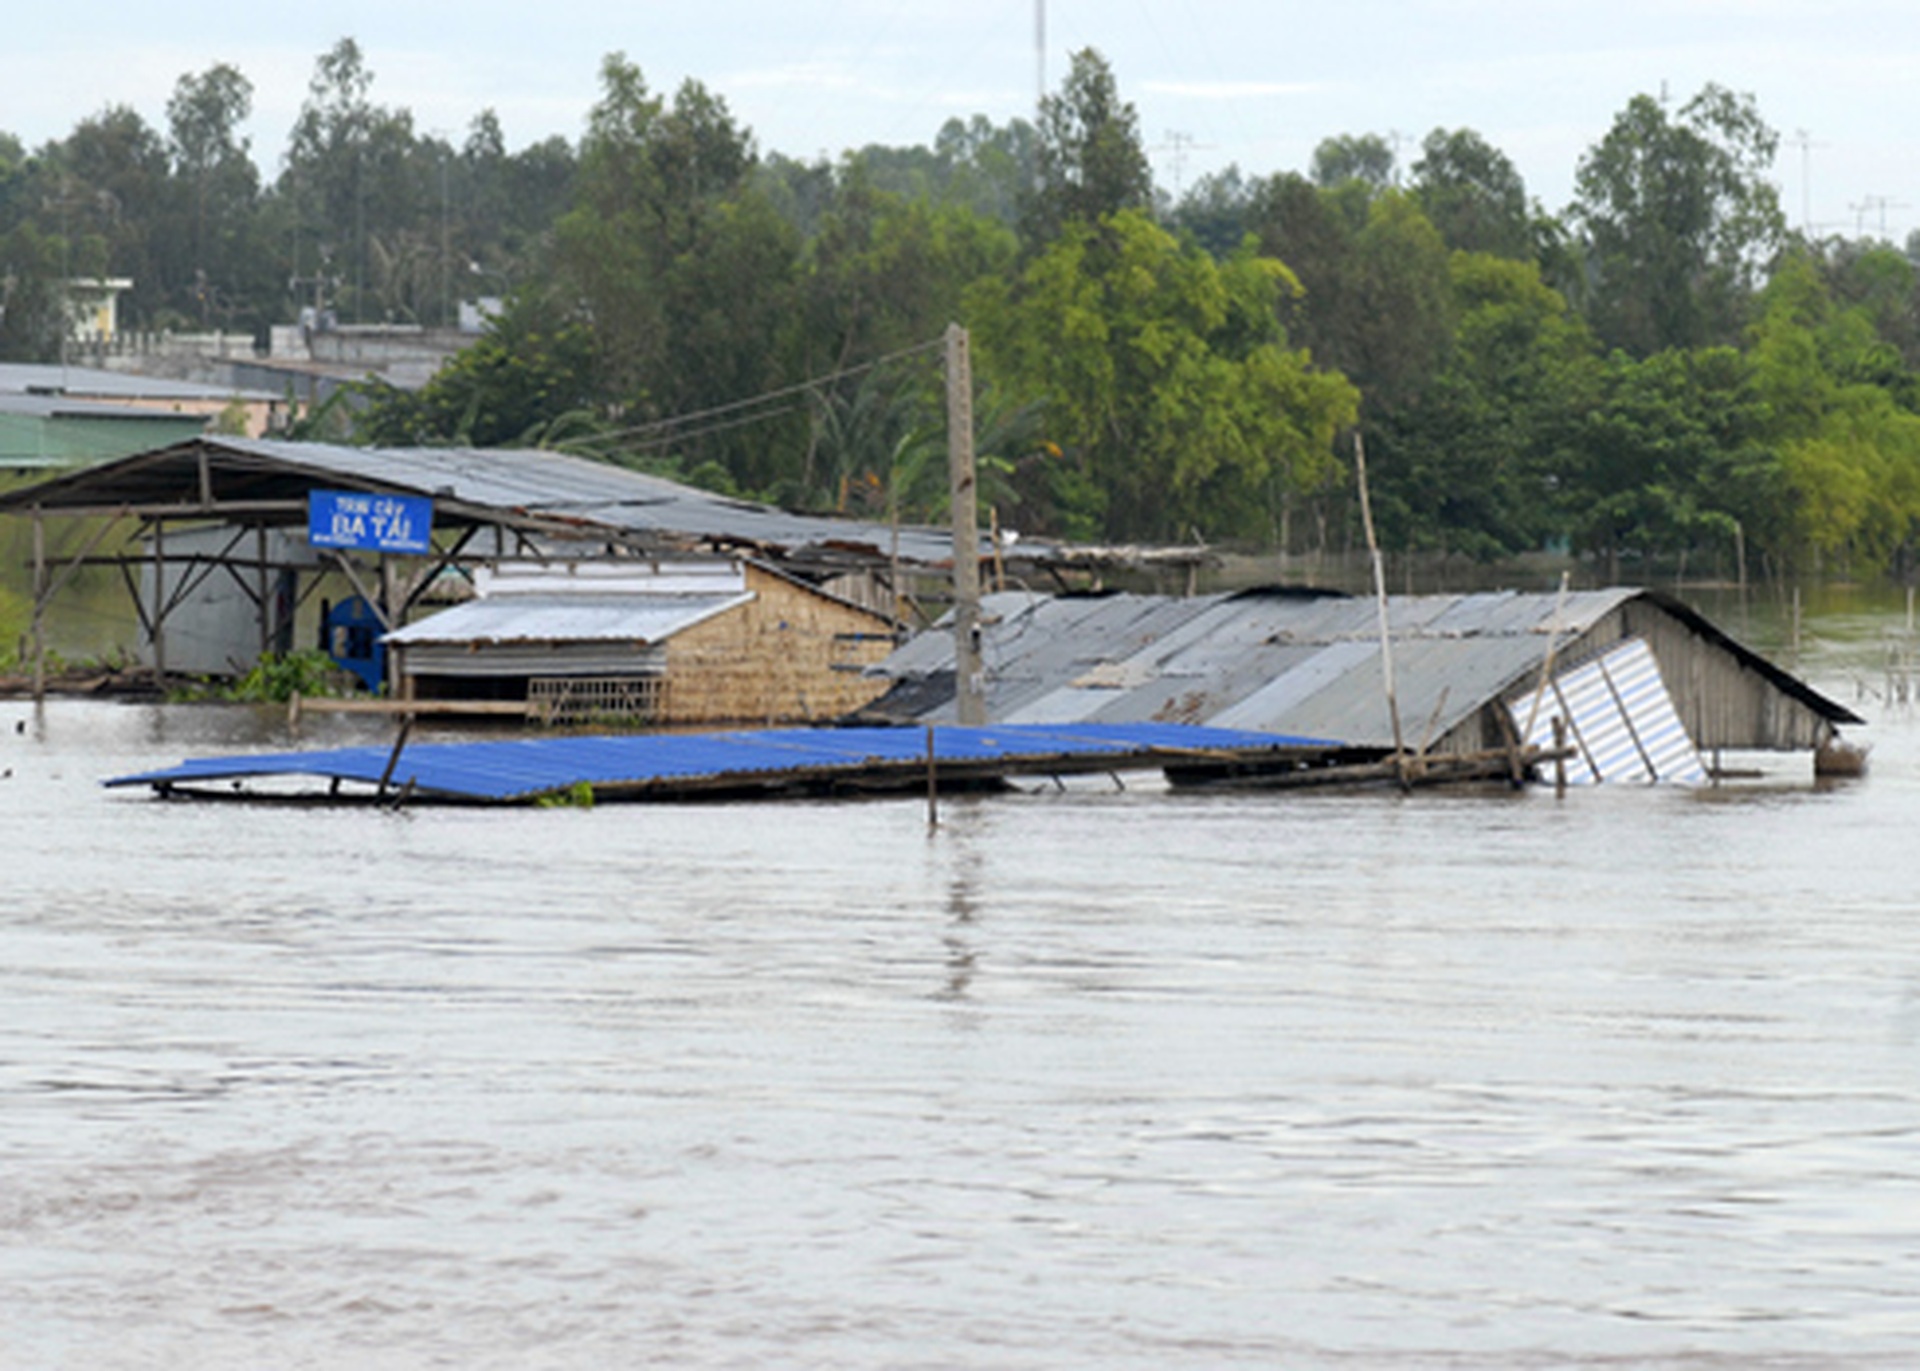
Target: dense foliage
(1660, 370)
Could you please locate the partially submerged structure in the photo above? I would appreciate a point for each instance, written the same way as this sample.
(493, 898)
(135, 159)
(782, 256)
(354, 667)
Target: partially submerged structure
(688, 643)
(1640, 682)
(781, 763)
(215, 540)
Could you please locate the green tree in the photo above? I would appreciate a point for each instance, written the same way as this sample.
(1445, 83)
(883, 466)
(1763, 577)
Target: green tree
(1367, 158)
(883, 276)
(1215, 210)
(683, 270)
(1848, 453)
(32, 300)
(113, 190)
(1678, 217)
(1165, 380)
(1473, 194)
(648, 178)
(214, 243)
(1666, 455)
(354, 178)
(1879, 284)
(1478, 461)
(529, 377)
(1375, 298)
(1089, 161)
(988, 167)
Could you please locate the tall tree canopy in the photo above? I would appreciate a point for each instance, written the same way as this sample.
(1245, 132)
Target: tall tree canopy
(1473, 194)
(1165, 381)
(1089, 160)
(1366, 157)
(1680, 218)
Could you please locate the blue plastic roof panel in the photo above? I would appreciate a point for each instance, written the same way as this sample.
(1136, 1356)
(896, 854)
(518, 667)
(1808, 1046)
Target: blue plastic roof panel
(523, 769)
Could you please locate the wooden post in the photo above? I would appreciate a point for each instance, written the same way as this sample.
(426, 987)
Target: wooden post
(39, 607)
(1559, 757)
(159, 627)
(1546, 662)
(970, 684)
(933, 803)
(260, 584)
(393, 758)
(1380, 600)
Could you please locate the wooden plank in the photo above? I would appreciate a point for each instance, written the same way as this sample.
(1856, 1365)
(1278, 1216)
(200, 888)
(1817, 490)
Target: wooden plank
(299, 705)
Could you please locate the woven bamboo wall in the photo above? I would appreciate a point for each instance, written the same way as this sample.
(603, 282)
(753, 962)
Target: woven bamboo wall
(775, 660)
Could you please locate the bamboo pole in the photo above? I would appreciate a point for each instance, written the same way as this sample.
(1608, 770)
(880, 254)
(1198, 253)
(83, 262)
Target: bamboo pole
(1380, 600)
(1546, 662)
(933, 788)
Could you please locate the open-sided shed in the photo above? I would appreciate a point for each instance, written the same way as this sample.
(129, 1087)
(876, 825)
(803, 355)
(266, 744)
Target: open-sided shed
(487, 506)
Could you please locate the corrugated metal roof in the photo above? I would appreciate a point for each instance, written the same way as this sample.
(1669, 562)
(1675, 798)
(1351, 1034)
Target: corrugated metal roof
(52, 378)
(39, 406)
(589, 617)
(531, 483)
(677, 764)
(1288, 663)
(1620, 720)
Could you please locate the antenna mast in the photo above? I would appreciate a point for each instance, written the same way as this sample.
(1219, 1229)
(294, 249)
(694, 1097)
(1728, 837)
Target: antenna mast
(1040, 51)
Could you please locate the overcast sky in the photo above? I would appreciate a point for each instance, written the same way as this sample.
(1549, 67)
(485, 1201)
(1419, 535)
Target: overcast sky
(1251, 82)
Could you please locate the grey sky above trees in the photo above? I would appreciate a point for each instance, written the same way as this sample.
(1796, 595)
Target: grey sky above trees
(1216, 82)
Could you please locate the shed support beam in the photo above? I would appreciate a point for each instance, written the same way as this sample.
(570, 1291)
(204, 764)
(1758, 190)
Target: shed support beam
(39, 607)
(263, 602)
(157, 628)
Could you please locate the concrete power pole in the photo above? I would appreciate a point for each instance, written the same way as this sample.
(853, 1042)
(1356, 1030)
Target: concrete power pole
(970, 681)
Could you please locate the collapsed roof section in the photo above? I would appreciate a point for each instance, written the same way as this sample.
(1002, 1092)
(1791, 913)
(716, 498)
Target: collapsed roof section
(1311, 664)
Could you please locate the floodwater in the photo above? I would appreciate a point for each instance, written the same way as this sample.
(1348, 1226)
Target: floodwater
(1094, 1077)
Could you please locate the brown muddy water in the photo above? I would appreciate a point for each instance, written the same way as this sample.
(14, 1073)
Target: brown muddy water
(1083, 1078)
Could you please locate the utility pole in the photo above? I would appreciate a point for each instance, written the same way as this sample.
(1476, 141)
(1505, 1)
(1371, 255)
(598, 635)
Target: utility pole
(1040, 53)
(970, 681)
(1872, 202)
(1180, 145)
(1805, 142)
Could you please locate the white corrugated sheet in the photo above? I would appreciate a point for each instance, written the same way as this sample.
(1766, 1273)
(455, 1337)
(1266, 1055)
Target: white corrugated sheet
(566, 619)
(1620, 720)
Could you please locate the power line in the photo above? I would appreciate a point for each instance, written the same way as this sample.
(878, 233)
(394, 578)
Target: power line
(739, 413)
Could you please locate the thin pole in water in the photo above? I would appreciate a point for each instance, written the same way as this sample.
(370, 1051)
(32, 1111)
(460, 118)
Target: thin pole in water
(1380, 600)
(933, 803)
(393, 758)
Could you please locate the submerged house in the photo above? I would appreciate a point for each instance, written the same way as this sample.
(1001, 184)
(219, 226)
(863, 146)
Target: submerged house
(676, 643)
(1640, 682)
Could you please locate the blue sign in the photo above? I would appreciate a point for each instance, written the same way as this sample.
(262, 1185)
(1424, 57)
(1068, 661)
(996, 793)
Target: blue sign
(377, 523)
